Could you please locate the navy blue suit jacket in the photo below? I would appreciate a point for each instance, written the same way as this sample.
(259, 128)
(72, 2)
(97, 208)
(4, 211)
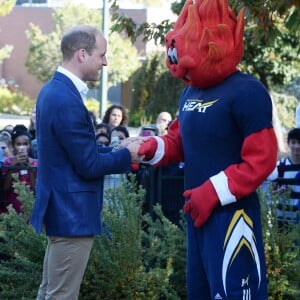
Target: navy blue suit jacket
(69, 189)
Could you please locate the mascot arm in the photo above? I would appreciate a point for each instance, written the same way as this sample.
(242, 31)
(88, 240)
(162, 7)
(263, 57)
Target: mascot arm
(259, 155)
(162, 150)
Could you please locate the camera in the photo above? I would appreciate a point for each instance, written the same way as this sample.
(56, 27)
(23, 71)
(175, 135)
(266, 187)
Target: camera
(22, 149)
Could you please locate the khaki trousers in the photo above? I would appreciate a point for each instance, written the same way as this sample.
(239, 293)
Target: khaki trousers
(64, 265)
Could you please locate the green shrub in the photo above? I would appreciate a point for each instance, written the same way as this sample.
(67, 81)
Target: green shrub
(137, 257)
(15, 102)
(282, 249)
(21, 251)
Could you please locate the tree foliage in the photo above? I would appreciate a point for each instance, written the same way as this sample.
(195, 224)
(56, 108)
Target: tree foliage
(14, 101)
(272, 47)
(154, 90)
(272, 36)
(5, 52)
(44, 53)
(5, 8)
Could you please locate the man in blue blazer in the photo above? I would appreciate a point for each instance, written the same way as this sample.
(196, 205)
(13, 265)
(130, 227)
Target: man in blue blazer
(69, 188)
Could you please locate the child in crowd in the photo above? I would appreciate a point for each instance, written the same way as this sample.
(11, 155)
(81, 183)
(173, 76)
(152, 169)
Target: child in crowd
(286, 181)
(102, 128)
(20, 164)
(103, 139)
(5, 145)
(118, 134)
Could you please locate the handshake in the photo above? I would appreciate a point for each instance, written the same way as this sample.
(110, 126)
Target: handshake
(140, 148)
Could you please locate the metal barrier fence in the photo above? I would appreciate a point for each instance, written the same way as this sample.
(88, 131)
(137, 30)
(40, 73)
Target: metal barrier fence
(163, 185)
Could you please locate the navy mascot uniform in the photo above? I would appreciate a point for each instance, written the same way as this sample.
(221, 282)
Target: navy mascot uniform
(224, 135)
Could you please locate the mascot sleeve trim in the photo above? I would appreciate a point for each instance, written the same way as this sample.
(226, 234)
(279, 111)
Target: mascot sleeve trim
(159, 154)
(220, 183)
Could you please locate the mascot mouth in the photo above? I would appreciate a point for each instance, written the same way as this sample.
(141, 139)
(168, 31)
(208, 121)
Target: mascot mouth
(187, 77)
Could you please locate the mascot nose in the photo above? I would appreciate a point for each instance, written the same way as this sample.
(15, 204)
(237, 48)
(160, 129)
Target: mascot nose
(172, 55)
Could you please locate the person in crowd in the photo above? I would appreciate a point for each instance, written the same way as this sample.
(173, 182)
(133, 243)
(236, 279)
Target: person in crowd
(162, 122)
(5, 145)
(149, 130)
(115, 115)
(286, 181)
(32, 131)
(297, 116)
(93, 118)
(118, 134)
(1, 157)
(34, 149)
(71, 164)
(8, 128)
(103, 128)
(225, 137)
(6, 133)
(103, 139)
(21, 144)
(1, 164)
(32, 123)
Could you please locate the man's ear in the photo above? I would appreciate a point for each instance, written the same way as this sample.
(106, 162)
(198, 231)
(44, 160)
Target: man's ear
(81, 54)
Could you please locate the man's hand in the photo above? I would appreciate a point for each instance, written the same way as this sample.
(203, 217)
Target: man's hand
(130, 140)
(137, 146)
(201, 203)
(133, 148)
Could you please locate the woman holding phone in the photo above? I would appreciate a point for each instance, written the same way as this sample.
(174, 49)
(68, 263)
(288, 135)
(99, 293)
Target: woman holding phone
(20, 163)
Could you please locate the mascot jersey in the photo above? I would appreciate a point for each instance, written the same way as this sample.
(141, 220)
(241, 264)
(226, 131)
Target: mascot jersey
(214, 123)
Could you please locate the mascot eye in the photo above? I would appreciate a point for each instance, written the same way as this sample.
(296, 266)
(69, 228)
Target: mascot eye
(172, 53)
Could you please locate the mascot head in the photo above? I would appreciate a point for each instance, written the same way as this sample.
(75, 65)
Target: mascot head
(206, 44)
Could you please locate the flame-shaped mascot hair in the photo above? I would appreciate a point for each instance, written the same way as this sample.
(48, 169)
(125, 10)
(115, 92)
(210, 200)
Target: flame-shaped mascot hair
(206, 44)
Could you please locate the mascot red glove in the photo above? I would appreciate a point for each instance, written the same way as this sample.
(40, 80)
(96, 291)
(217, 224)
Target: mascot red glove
(202, 201)
(148, 149)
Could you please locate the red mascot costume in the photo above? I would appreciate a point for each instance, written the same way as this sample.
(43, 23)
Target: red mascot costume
(225, 137)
